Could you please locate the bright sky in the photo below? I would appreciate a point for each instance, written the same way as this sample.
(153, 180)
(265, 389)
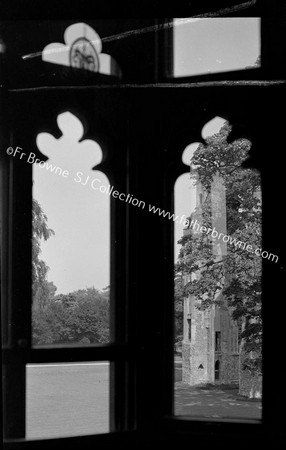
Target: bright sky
(78, 255)
(215, 45)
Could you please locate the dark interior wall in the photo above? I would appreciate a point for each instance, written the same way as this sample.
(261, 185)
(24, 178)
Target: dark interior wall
(135, 52)
(159, 123)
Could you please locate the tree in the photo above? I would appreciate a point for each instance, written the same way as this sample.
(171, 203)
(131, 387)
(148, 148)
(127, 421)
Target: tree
(44, 318)
(50, 324)
(238, 274)
(88, 316)
(78, 317)
(41, 288)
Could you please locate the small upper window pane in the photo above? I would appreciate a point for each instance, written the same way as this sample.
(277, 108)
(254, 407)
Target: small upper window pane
(212, 45)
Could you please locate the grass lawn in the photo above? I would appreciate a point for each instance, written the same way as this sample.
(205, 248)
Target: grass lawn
(67, 400)
(73, 399)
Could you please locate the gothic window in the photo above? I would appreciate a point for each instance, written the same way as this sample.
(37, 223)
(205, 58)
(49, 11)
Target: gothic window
(71, 248)
(219, 233)
(134, 121)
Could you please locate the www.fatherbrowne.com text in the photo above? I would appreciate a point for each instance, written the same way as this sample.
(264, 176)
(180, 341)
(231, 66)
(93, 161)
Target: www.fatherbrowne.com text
(95, 184)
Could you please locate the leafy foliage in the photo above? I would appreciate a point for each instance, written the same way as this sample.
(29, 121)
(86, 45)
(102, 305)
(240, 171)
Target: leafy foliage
(41, 288)
(78, 317)
(238, 274)
(88, 316)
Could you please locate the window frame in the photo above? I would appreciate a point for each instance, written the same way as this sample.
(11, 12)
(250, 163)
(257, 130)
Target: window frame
(135, 421)
(17, 349)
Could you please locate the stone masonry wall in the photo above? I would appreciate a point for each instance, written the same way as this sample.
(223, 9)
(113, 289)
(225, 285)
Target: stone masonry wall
(196, 355)
(228, 356)
(229, 369)
(186, 366)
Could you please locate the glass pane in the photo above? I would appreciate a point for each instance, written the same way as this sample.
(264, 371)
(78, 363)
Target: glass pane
(70, 239)
(67, 399)
(218, 329)
(203, 46)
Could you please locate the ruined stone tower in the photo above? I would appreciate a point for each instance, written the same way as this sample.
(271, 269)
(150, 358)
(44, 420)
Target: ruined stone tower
(210, 345)
(210, 352)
